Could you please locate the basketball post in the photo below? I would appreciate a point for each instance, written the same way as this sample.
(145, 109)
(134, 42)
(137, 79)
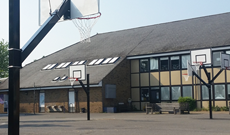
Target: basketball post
(87, 91)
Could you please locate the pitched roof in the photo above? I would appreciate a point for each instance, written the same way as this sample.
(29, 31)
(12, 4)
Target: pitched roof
(203, 32)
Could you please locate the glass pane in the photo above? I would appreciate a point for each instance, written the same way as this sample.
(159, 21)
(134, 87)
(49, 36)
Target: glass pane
(205, 92)
(175, 62)
(42, 100)
(228, 52)
(184, 60)
(153, 63)
(144, 65)
(219, 91)
(144, 94)
(164, 63)
(165, 93)
(176, 93)
(187, 91)
(216, 58)
(228, 91)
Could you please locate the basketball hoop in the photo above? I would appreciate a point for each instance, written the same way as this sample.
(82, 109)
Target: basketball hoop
(198, 64)
(186, 76)
(85, 24)
(72, 80)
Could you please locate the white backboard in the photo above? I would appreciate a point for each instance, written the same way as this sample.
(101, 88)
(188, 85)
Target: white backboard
(225, 61)
(78, 8)
(78, 71)
(203, 55)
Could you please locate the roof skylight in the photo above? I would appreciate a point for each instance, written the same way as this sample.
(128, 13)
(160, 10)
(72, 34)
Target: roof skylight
(113, 60)
(56, 78)
(99, 61)
(66, 65)
(75, 63)
(46, 66)
(52, 66)
(93, 62)
(59, 66)
(81, 62)
(106, 61)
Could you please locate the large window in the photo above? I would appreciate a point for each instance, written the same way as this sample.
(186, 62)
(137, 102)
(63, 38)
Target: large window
(216, 58)
(219, 91)
(144, 65)
(187, 91)
(176, 93)
(165, 95)
(144, 94)
(164, 63)
(228, 91)
(184, 59)
(154, 64)
(175, 62)
(205, 93)
(227, 52)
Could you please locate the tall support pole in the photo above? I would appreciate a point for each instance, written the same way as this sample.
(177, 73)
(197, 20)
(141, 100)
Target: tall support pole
(88, 98)
(210, 100)
(14, 66)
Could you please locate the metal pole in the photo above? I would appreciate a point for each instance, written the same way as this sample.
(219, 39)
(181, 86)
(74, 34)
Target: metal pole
(88, 98)
(210, 100)
(34, 98)
(14, 66)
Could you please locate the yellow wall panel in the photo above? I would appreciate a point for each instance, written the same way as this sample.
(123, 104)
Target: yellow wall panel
(205, 104)
(203, 75)
(228, 75)
(175, 78)
(134, 80)
(134, 66)
(135, 92)
(220, 103)
(164, 78)
(221, 77)
(183, 79)
(144, 79)
(154, 79)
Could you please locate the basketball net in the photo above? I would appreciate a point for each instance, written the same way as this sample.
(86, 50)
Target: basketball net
(85, 25)
(72, 80)
(185, 76)
(198, 64)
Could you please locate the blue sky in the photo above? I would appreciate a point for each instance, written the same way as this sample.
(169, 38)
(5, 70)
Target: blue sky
(116, 15)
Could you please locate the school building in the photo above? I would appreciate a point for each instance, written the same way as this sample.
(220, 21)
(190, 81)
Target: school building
(143, 64)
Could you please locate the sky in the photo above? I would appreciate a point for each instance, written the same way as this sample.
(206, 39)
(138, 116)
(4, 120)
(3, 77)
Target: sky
(116, 15)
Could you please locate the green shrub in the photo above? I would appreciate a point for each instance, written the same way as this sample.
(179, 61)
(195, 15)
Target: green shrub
(204, 109)
(224, 108)
(191, 101)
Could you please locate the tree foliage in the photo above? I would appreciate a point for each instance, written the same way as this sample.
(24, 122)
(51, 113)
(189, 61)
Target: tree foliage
(4, 59)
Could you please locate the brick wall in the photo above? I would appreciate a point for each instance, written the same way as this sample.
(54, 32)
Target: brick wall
(29, 101)
(120, 76)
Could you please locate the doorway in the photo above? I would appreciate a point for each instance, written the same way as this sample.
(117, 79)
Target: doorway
(155, 96)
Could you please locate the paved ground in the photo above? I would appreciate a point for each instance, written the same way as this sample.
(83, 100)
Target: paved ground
(121, 124)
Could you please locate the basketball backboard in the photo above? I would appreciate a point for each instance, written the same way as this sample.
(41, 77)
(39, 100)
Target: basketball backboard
(225, 61)
(78, 8)
(77, 71)
(201, 56)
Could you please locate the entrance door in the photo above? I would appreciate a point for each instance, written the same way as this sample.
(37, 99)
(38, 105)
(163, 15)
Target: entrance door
(155, 96)
(42, 102)
(71, 101)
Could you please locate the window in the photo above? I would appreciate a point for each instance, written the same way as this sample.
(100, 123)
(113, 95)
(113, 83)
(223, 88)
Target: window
(46, 67)
(144, 94)
(59, 66)
(154, 64)
(165, 95)
(216, 58)
(144, 65)
(56, 78)
(176, 93)
(227, 52)
(164, 63)
(187, 91)
(184, 59)
(82, 62)
(175, 62)
(64, 78)
(219, 91)
(52, 66)
(228, 91)
(205, 93)
(75, 63)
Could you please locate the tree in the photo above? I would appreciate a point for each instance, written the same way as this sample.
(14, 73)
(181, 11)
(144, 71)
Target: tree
(4, 59)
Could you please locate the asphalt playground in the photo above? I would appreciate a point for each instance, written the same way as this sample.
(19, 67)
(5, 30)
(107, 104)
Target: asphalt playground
(132, 123)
